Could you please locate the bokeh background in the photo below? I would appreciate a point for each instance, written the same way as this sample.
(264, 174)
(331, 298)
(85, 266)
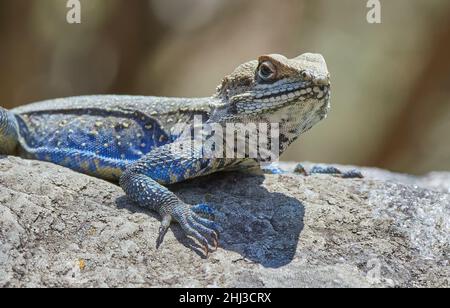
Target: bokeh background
(391, 81)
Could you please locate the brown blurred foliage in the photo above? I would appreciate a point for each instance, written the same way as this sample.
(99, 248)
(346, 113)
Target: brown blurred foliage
(391, 82)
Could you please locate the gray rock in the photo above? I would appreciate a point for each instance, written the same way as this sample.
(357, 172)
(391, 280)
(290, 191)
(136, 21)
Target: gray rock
(60, 228)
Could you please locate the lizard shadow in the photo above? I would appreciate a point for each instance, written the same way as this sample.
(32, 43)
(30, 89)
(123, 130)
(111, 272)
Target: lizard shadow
(263, 227)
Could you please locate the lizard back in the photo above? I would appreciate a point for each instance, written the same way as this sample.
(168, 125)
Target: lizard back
(102, 135)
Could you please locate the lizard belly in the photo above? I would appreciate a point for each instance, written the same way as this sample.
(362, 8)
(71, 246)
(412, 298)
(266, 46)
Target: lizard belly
(89, 142)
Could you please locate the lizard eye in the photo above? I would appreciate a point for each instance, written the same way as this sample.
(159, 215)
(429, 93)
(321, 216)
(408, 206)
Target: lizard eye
(266, 71)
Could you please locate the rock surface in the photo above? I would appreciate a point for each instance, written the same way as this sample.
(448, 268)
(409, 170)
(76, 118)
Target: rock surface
(61, 228)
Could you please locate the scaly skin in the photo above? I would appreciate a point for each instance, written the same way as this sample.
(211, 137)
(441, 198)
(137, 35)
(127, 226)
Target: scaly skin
(131, 139)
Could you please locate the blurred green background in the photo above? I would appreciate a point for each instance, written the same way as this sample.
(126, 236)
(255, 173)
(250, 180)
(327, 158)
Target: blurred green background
(391, 81)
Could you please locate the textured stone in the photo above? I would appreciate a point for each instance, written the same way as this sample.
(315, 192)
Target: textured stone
(61, 228)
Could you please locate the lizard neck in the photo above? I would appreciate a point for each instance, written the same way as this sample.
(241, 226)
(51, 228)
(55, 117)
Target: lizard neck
(291, 120)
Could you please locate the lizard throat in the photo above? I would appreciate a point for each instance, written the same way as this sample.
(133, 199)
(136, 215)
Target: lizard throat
(274, 99)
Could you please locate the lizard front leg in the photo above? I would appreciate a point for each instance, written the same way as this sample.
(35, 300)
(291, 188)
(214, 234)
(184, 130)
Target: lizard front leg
(143, 183)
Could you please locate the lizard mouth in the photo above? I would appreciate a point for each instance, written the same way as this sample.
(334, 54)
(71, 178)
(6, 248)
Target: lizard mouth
(278, 98)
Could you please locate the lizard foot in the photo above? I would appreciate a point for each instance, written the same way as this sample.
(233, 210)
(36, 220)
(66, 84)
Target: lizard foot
(352, 174)
(193, 225)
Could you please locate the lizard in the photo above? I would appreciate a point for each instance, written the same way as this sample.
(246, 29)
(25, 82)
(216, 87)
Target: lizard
(130, 139)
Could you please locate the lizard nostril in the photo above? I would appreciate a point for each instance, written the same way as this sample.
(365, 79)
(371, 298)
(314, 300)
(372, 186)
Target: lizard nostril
(322, 80)
(306, 75)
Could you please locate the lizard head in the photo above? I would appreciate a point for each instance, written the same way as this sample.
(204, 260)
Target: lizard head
(274, 89)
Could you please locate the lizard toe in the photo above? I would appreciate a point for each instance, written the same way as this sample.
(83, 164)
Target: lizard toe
(325, 170)
(209, 224)
(165, 224)
(352, 174)
(194, 231)
(196, 223)
(204, 210)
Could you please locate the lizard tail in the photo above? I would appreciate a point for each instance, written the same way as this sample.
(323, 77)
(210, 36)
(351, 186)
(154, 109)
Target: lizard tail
(8, 132)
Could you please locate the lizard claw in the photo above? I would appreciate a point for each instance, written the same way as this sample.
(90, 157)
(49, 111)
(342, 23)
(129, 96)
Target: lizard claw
(216, 244)
(206, 251)
(165, 224)
(197, 226)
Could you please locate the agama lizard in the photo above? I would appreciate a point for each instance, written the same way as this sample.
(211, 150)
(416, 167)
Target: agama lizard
(129, 139)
